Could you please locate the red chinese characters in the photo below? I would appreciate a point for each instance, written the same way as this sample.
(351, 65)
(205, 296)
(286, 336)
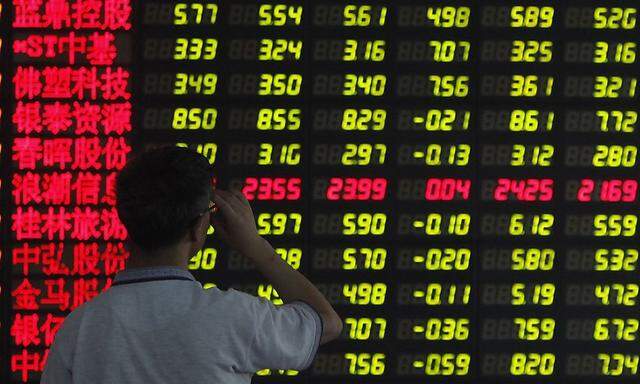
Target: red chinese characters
(78, 14)
(72, 118)
(97, 48)
(81, 83)
(70, 122)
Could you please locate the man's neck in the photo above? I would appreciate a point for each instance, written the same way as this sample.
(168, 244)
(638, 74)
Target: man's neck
(138, 258)
(139, 262)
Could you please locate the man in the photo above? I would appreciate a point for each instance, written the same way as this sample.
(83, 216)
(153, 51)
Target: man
(157, 324)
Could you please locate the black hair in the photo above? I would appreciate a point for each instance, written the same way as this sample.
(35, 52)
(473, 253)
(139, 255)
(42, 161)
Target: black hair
(160, 192)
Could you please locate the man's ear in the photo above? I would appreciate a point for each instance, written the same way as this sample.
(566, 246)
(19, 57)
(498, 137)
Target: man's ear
(195, 231)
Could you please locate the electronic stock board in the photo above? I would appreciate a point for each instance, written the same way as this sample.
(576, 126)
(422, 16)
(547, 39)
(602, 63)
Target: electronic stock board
(459, 178)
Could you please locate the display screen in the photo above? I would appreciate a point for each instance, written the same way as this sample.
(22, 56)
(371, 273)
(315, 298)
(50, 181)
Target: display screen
(459, 178)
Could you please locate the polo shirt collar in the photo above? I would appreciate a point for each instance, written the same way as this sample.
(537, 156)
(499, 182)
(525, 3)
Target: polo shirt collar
(163, 272)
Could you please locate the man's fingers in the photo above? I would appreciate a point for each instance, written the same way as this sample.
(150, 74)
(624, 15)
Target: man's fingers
(224, 204)
(233, 200)
(238, 193)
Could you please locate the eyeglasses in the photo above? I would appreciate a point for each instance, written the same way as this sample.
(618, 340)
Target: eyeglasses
(213, 207)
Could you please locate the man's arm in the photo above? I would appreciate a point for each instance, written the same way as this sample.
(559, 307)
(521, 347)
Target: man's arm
(293, 285)
(55, 371)
(239, 229)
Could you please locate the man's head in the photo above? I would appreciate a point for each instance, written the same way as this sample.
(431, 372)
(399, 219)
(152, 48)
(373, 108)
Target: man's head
(160, 195)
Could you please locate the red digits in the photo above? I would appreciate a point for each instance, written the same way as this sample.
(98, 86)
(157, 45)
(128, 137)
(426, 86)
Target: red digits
(334, 188)
(250, 187)
(586, 187)
(352, 188)
(618, 190)
(447, 189)
(612, 191)
(379, 188)
(546, 189)
(629, 190)
(267, 188)
(524, 190)
(364, 188)
(501, 193)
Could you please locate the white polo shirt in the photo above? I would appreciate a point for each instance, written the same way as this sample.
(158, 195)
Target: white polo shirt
(158, 325)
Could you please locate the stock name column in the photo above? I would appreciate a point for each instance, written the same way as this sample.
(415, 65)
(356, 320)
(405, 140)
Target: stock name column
(70, 121)
(601, 228)
(5, 267)
(350, 216)
(518, 98)
(435, 176)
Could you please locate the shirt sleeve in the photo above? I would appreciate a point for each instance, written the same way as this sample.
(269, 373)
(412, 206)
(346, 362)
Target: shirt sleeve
(55, 371)
(284, 337)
